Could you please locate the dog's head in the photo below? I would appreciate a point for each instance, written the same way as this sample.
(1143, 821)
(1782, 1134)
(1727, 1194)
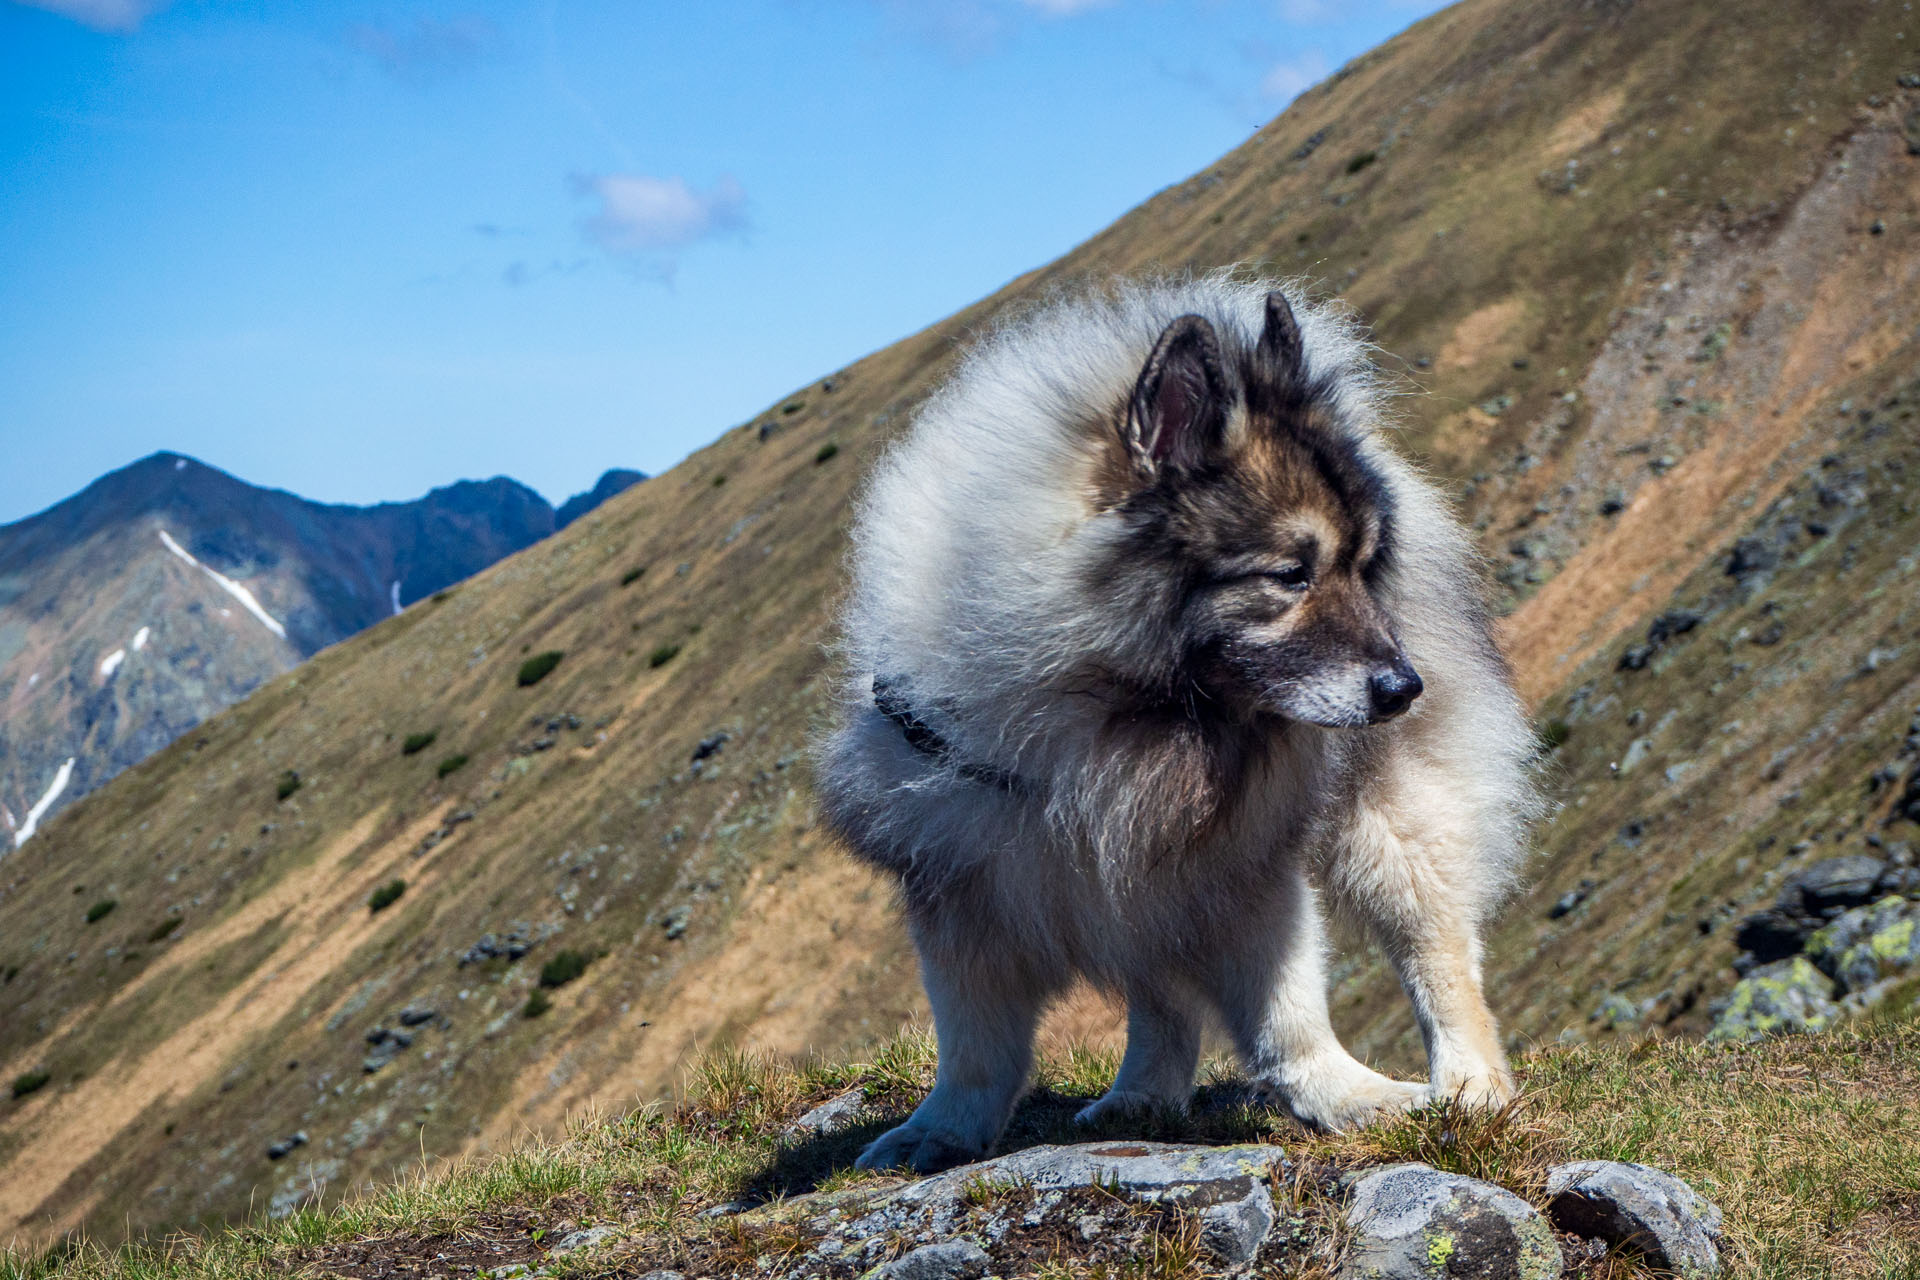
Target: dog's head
(1245, 489)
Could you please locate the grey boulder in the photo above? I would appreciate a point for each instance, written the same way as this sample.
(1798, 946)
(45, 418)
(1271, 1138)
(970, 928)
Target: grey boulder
(833, 1115)
(1638, 1210)
(948, 1260)
(1785, 996)
(1413, 1222)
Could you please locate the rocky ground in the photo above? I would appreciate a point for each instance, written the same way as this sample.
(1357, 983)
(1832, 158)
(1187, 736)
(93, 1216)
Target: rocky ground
(1790, 1156)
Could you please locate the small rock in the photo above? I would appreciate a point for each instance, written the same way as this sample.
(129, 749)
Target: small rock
(1234, 1230)
(663, 1275)
(675, 921)
(287, 1146)
(833, 1115)
(711, 745)
(1751, 556)
(1859, 948)
(1785, 996)
(414, 1015)
(948, 1260)
(1412, 1222)
(585, 1239)
(726, 1209)
(1615, 1011)
(387, 1045)
(1639, 1210)
(1832, 885)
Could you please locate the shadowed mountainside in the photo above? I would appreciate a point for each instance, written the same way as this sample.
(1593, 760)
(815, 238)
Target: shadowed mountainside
(1648, 272)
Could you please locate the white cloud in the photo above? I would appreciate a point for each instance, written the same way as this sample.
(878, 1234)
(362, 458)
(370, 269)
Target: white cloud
(1065, 8)
(639, 214)
(1287, 80)
(101, 15)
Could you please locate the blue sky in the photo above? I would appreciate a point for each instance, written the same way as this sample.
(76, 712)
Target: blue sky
(361, 249)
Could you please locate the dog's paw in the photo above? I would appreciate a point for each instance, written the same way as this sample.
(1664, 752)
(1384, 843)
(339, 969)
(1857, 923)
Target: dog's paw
(918, 1150)
(1489, 1088)
(1119, 1104)
(1343, 1097)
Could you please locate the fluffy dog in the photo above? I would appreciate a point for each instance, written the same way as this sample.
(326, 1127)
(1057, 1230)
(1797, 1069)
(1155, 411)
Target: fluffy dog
(1152, 642)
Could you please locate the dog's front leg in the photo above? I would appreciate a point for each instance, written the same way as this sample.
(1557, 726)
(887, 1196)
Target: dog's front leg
(1163, 1048)
(1420, 894)
(985, 1012)
(1272, 988)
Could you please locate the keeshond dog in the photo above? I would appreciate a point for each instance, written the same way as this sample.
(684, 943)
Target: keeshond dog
(1153, 643)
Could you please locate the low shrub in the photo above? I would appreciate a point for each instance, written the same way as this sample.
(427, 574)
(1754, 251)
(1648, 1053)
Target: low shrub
(12, 972)
(100, 910)
(564, 968)
(537, 1003)
(165, 927)
(663, 655)
(451, 763)
(719, 480)
(288, 784)
(386, 895)
(418, 742)
(632, 576)
(1361, 161)
(827, 451)
(539, 667)
(28, 1082)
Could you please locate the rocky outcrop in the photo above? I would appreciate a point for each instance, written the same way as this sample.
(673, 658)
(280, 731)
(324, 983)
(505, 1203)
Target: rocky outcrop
(1840, 935)
(1234, 1208)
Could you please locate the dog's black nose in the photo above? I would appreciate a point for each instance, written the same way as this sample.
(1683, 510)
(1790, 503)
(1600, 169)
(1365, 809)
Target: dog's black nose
(1393, 689)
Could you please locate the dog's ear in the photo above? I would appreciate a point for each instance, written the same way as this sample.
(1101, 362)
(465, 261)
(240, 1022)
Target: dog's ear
(1179, 407)
(1281, 355)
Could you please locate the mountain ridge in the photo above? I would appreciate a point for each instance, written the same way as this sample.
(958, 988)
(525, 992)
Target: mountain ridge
(325, 570)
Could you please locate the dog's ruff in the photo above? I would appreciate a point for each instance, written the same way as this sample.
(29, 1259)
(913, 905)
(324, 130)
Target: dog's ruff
(1111, 594)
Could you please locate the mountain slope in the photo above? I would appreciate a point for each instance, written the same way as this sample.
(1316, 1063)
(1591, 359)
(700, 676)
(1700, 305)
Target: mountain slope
(1644, 267)
(168, 589)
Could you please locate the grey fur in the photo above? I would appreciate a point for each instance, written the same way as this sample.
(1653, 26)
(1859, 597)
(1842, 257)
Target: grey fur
(1168, 840)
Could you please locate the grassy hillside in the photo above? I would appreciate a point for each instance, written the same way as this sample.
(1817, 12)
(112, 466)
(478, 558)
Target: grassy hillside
(1648, 273)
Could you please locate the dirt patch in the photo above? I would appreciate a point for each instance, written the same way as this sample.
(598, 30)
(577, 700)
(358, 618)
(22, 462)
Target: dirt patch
(1584, 127)
(1482, 333)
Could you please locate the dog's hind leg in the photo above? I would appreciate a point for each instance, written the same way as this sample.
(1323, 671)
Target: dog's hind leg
(1419, 887)
(1272, 988)
(986, 1008)
(1163, 1048)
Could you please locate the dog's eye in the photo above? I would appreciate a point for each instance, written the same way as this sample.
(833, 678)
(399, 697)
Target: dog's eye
(1295, 577)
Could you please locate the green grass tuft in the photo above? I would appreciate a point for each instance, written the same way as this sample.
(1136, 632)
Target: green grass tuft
(418, 742)
(539, 667)
(451, 763)
(1361, 161)
(564, 968)
(827, 452)
(386, 895)
(661, 656)
(29, 1082)
(165, 928)
(288, 784)
(632, 576)
(100, 910)
(538, 1002)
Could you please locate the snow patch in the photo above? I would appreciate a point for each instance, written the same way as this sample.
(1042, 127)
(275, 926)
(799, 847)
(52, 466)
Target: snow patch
(111, 663)
(140, 638)
(394, 592)
(228, 585)
(179, 464)
(33, 680)
(45, 803)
